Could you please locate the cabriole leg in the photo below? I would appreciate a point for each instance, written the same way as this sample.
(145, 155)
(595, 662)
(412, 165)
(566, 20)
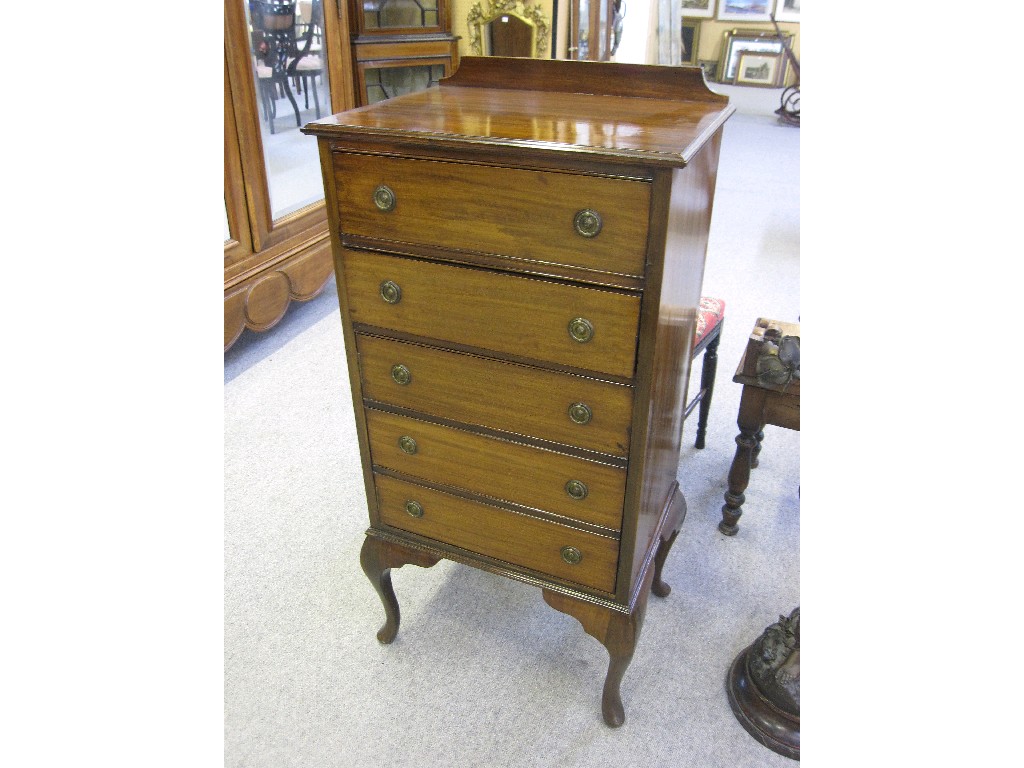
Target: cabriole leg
(617, 632)
(672, 527)
(378, 557)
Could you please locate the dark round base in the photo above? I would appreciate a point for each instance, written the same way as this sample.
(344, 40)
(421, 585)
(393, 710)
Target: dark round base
(775, 729)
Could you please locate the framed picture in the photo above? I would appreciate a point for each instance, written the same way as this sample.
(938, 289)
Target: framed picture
(739, 41)
(691, 39)
(745, 10)
(699, 9)
(758, 69)
(787, 10)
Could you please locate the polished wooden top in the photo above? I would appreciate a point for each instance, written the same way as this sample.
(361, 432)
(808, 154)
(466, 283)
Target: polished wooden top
(651, 115)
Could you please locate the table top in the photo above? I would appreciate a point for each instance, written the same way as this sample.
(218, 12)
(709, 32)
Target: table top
(746, 372)
(652, 115)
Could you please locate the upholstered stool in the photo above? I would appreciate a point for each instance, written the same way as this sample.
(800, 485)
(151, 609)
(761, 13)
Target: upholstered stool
(710, 320)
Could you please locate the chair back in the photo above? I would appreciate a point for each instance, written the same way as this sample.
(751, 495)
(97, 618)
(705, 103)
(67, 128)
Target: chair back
(314, 29)
(275, 21)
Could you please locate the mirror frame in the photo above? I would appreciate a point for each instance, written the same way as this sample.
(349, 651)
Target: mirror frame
(479, 16)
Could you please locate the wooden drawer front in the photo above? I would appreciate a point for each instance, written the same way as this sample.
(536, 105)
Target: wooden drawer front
(495, 311)
(503, 396)
(498, 468)
(511, 212)
(514, 538)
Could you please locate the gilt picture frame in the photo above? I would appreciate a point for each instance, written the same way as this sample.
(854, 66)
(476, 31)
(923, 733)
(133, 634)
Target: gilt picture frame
(787, 10)
(758, 69)
(699, 9)
(738, 41)
(745, 10)
(691, 41)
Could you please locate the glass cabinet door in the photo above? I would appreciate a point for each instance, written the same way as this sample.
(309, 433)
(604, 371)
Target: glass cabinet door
(291, 86)
(237, 237)
(278, 77)
(590, 29)
(390, 16)
(388, 81)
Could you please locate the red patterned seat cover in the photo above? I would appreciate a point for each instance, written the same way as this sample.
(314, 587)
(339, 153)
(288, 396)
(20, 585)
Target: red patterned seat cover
(710, 315)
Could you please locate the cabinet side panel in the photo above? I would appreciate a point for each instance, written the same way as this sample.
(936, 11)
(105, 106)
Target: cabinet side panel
(351, 353)
(689, 220)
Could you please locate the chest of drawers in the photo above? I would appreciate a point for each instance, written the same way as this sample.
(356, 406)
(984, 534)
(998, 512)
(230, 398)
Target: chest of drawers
(519, 255)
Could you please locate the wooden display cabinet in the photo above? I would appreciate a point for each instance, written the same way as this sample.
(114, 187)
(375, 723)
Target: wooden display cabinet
(400, 46)
(273, 254)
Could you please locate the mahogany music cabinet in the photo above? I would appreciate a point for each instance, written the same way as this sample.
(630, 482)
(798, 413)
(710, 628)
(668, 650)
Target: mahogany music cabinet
(519, 255)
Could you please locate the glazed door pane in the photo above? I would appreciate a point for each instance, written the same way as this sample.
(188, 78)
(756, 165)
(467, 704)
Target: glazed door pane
(290, 76)
(387, 82)
(583, 30)
(591, 23)
(400, 14)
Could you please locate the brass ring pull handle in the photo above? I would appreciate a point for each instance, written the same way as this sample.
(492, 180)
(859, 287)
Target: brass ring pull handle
(390, 292)
(581, 329)
(407, 444)
(414, 508)
(384, 198)
(580, 413)
(571, 555)
(587, 223)
(401, 374)
(576, 489)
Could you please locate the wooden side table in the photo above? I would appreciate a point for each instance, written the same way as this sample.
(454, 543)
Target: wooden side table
(761, 403)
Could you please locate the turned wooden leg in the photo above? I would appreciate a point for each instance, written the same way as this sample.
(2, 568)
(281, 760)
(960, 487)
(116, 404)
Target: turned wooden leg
(708, 369)
(670, 531)
(617, 632)
(759, 437)
(378, 557)
(750, 422)
(739, 478)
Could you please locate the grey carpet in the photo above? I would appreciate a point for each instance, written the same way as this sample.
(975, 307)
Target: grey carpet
(483, 673)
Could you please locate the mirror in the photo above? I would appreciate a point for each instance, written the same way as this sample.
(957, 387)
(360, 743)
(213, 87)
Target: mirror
(507, 28)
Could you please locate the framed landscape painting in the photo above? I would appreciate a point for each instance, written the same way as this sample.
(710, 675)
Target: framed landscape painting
(739, 41)
(787, 10)
(691, 39)
(699, 9)
(745, 10)
(758, 69)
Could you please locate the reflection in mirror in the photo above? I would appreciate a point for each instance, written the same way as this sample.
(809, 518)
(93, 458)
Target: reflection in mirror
(507, 28)
(583, 49)
(400, 14)
(508, 35)
(387, 82)
(287, 47)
